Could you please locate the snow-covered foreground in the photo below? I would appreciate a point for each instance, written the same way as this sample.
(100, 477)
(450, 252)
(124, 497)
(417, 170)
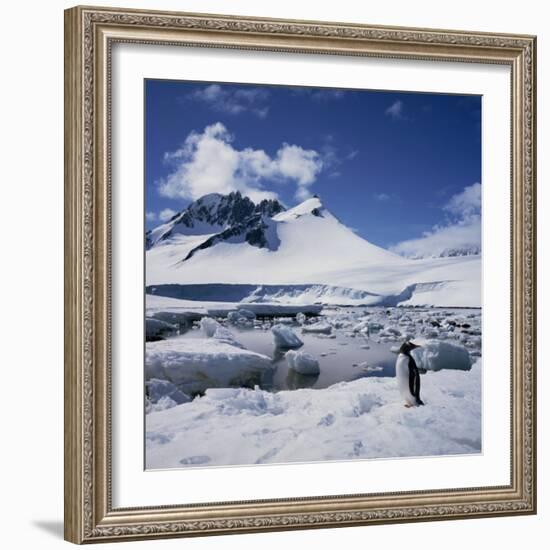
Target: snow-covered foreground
(364, 418)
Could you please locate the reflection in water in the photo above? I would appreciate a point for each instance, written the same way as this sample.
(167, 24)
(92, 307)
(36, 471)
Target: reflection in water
(278, 354)
(342, 357)
(296, 381)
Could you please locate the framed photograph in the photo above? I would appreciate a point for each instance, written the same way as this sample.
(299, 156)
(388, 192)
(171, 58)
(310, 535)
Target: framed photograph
(300, 274)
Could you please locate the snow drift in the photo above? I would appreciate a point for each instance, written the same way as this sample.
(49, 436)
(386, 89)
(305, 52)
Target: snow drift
(348, 421)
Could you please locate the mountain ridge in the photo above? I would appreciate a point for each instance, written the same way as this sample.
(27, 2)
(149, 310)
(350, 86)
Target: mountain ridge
(212, 213)
(229, 242)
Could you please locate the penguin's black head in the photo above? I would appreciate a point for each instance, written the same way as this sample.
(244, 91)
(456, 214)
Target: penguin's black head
(407, 347)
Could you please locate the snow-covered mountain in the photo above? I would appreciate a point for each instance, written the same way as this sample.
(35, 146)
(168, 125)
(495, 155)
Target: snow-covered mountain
(230, 240)
(465, 250)
(212, 214)
(469, 250)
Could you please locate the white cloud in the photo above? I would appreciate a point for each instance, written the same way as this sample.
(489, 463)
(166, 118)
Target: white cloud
(467, 203)
(233, 101)
(462, 231)
(208, 162)
(150, 216)
(395, 110)
(166, 214)
(381, 197)
(443, 239)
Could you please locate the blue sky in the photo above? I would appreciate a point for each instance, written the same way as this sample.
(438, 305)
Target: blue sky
(395, 167)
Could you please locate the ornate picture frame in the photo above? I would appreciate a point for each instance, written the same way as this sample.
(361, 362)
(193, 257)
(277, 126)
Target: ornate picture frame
(90, 34)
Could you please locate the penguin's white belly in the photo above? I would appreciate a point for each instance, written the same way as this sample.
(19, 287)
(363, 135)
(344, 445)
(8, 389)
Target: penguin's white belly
(402, 376)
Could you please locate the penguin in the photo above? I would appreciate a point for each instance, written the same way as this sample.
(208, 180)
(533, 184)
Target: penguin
(407, 375)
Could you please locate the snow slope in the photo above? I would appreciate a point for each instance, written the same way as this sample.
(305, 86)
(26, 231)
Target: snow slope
(350, 420)
(315, 248)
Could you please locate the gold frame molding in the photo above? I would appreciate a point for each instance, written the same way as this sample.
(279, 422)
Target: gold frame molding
(89, 35)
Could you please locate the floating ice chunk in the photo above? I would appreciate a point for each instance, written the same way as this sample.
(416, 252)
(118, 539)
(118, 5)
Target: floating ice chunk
(194, 364)
(212, 329)
(435, 355)
(318, 328)
(285, 320)
(285, 337)
(301, 318)
(390, 331)
(430, 333)
(362, 326)
(157, 329)
(233, 317)
(247, 314)
(475, 341)
(302, 362)
(209, 326)
(373, 368)
(367, 368)
(341, 323)
(241, 316)
(367, 327)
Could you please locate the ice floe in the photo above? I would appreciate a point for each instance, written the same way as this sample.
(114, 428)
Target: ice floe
(212, 329)
(435, 355)
(195, 364)
(302, 362)
(318, 328)
(285, 337)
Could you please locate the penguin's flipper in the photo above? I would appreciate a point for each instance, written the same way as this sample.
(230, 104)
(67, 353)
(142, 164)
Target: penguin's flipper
(414, 381)
(412, 377)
